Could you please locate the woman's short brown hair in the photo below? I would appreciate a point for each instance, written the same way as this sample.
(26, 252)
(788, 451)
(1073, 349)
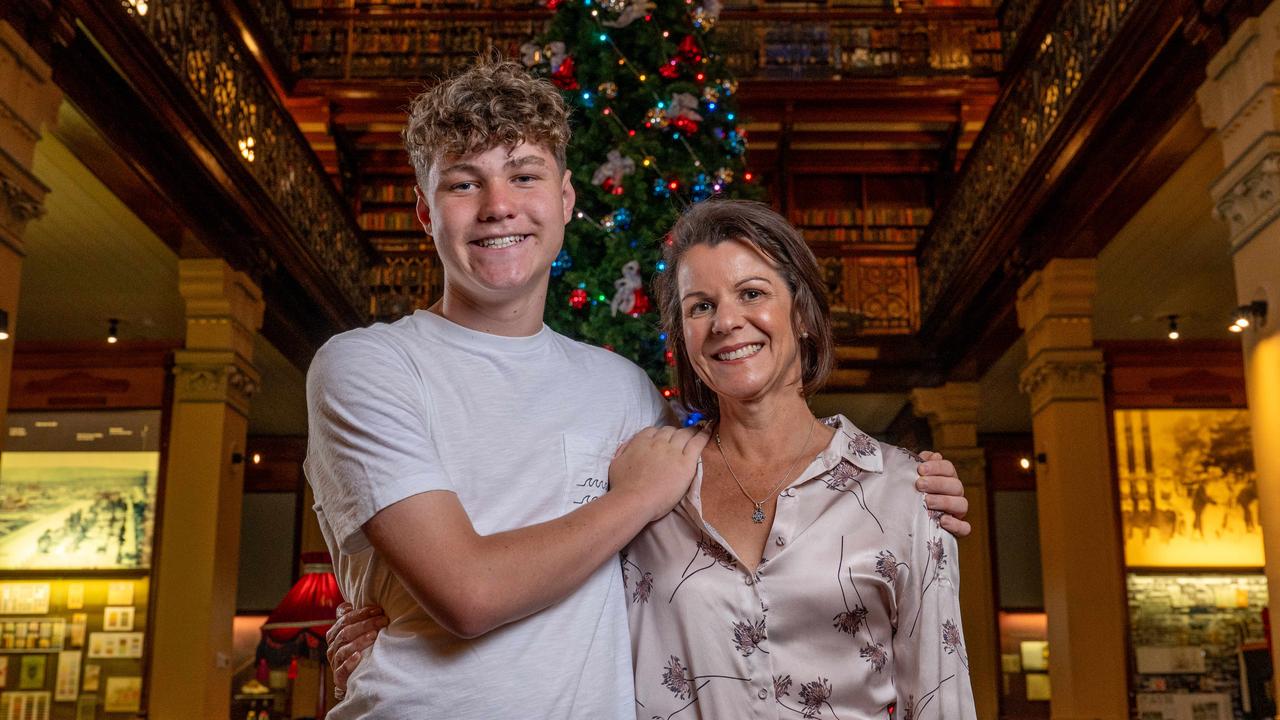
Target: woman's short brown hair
(715, 221)
(493, 102)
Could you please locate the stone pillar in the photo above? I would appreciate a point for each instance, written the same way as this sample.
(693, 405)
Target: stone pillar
(198, 557)
(1241, 99)
(952, 412)
(1080, 549)
(28, 101)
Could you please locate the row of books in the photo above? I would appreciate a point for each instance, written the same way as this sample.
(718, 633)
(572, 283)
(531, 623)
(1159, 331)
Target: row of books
(838, 217)
(387, 193)
(415, 4)
(389, 220)
(410, 37)
(895, 235)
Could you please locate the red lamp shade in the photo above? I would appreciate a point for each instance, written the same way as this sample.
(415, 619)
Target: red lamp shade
(309, 608)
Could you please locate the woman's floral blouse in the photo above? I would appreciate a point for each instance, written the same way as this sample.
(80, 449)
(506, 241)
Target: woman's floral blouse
(852, 613)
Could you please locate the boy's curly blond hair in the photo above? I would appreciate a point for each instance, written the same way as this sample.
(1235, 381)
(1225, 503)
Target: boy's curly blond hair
(494, 102)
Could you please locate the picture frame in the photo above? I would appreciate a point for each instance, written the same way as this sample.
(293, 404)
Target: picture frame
(117, 619)
(1187, 488)
(122, 694)
(96, 476)
(31, 672)
(66, 684)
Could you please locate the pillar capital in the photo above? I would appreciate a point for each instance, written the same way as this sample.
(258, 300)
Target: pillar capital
(214, 377)
(952, 413)
(1062, 375)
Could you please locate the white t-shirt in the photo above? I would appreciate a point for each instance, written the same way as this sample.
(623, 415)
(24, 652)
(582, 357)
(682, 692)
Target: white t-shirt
(522, 430)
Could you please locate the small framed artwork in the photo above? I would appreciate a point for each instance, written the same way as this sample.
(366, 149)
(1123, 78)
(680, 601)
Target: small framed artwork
(79, 623)
(31, 672)
(123, 694)
(67, 684)
(117, 619)
(92, 677)
(115, 645)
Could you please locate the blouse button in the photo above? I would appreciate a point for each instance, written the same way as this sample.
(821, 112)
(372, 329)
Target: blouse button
(749, 581)
(781, 541)
(763, 694)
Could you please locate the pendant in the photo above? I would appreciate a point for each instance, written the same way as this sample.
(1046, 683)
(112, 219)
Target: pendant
(757, 517)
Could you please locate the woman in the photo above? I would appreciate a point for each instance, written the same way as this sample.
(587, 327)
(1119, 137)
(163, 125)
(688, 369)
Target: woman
(802, 574)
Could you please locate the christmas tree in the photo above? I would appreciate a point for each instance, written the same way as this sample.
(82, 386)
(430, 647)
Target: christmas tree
(654, 130)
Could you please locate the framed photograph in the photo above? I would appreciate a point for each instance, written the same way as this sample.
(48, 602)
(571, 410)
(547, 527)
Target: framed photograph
(92, 677)
(117, 619)
(1188, 489)
(123, 694)
(31, 672)
(115, 645)
(90, 480)
(24, 706)
(66, 686)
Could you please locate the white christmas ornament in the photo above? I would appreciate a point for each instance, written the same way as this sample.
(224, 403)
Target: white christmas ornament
(624, 299)
(683, 105)
(633, 11)
(615, 168)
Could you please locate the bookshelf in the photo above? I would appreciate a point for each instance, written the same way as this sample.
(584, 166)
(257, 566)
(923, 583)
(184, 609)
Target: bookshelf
(409, 275)
(861, 214)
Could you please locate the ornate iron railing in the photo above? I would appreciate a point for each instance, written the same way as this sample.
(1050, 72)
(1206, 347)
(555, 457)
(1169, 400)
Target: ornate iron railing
(1015, 131)
(196, 44)
(1014, 16)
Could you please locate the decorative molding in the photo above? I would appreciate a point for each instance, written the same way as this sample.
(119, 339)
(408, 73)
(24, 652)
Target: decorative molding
(1019, 124)
(214, 378)
(1074, 378)
(20, 203)
(1255, 197)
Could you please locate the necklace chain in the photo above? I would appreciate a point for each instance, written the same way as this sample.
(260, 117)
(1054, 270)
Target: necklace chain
(758, 515)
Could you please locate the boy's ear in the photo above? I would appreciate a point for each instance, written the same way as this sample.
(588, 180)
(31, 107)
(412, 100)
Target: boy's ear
(421, 210)
(568, 195)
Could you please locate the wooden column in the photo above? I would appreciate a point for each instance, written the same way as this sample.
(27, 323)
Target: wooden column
(1241, 99)
(198, 556)
(1080, 550)
(28, 101)
(952, 412)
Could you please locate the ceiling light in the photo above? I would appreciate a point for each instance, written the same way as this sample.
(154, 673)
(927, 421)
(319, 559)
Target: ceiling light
(4, 324)
(113, 331)
(1024, 463)
(1173, 328)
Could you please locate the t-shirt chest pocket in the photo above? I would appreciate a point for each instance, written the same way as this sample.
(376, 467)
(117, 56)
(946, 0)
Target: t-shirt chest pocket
(587, 460)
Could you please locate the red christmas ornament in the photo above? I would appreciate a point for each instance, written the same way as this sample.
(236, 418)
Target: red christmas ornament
(553, 4)
(578, 298)
(563, 76)
(689, 51)
(669, 71)
(641, 304)
(607, 185)
(688, 126)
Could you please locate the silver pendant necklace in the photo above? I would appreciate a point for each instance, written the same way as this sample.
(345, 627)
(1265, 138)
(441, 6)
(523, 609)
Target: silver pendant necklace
(758, 515)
